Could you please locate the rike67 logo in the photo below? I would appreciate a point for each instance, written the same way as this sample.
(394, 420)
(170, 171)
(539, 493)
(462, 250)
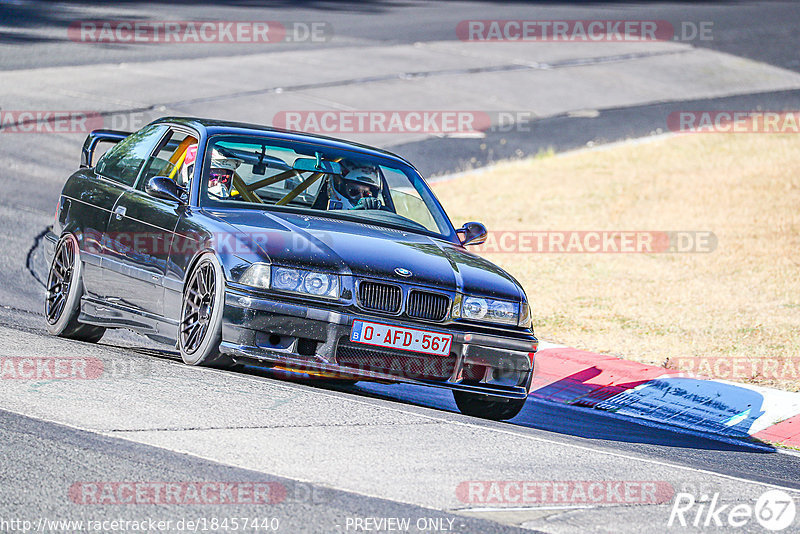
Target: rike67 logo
(775, 510)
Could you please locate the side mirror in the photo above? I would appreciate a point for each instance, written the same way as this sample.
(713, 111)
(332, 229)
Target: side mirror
(166, 189)
(472, 233)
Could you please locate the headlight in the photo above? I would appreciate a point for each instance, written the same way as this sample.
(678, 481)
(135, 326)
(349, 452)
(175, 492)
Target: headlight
(489, 310)
(257, 275)
(305, 282)
(525, 315)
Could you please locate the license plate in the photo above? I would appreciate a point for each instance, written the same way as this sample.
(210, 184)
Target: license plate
(397, 337)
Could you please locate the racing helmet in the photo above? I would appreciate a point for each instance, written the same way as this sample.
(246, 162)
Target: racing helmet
(358, 183)
(220, 178)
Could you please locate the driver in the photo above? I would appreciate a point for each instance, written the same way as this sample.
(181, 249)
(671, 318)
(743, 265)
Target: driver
(220, 179)
(359, 189)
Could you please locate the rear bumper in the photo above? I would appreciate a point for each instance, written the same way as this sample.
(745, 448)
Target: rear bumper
(270, 332)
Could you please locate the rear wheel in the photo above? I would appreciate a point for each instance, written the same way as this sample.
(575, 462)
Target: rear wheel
(200, 329)
(486, 406)
(62, 304)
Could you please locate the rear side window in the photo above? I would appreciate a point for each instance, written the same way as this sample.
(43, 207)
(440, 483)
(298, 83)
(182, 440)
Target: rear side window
(174, 159)
(123, 162)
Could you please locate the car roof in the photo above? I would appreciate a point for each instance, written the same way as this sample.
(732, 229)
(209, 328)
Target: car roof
(215, 127)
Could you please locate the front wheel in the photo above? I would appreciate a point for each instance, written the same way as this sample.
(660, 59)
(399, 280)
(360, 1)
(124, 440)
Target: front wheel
(487, 407)
(200, 329)
(62, 304)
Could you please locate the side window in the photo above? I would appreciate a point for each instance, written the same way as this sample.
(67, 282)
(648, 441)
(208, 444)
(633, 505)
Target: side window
(407, 200)
(123, 162)
(174, 158)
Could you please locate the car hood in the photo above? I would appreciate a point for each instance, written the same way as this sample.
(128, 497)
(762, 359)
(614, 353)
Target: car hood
(368, 251)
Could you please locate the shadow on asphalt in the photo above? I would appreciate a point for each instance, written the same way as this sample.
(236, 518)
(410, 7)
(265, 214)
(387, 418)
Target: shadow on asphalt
(566, 419)
(538, 414)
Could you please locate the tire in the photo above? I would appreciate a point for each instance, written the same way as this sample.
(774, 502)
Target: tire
(200, 327)
(487, 407)
(62, 303)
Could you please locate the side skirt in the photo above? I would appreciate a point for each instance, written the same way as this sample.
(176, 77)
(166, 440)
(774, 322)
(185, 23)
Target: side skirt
(117, 315)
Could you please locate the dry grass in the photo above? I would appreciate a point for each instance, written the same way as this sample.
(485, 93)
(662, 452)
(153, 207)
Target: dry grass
(741, 301)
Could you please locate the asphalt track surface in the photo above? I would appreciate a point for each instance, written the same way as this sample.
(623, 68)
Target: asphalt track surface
(342, 452)
(35, 37)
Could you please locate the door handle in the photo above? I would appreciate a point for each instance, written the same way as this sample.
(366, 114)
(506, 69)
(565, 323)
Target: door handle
(119, 212)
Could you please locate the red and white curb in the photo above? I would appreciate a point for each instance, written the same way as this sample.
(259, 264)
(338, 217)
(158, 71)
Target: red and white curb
(582, 378)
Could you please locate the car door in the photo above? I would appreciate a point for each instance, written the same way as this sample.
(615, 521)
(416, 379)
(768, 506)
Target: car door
(114, 173)
(142, 227)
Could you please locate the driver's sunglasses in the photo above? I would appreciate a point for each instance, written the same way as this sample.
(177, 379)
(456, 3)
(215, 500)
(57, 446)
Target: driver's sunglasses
(361, 191)
(220, 176)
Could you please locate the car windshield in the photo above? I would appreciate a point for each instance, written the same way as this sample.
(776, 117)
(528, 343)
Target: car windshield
(246, 171)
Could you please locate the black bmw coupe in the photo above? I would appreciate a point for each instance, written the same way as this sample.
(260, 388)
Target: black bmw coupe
(243, 244)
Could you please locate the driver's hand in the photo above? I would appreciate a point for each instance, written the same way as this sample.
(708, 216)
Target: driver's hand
(368, 203)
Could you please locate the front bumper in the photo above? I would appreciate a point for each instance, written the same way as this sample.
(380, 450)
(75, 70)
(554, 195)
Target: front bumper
(271, 332)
